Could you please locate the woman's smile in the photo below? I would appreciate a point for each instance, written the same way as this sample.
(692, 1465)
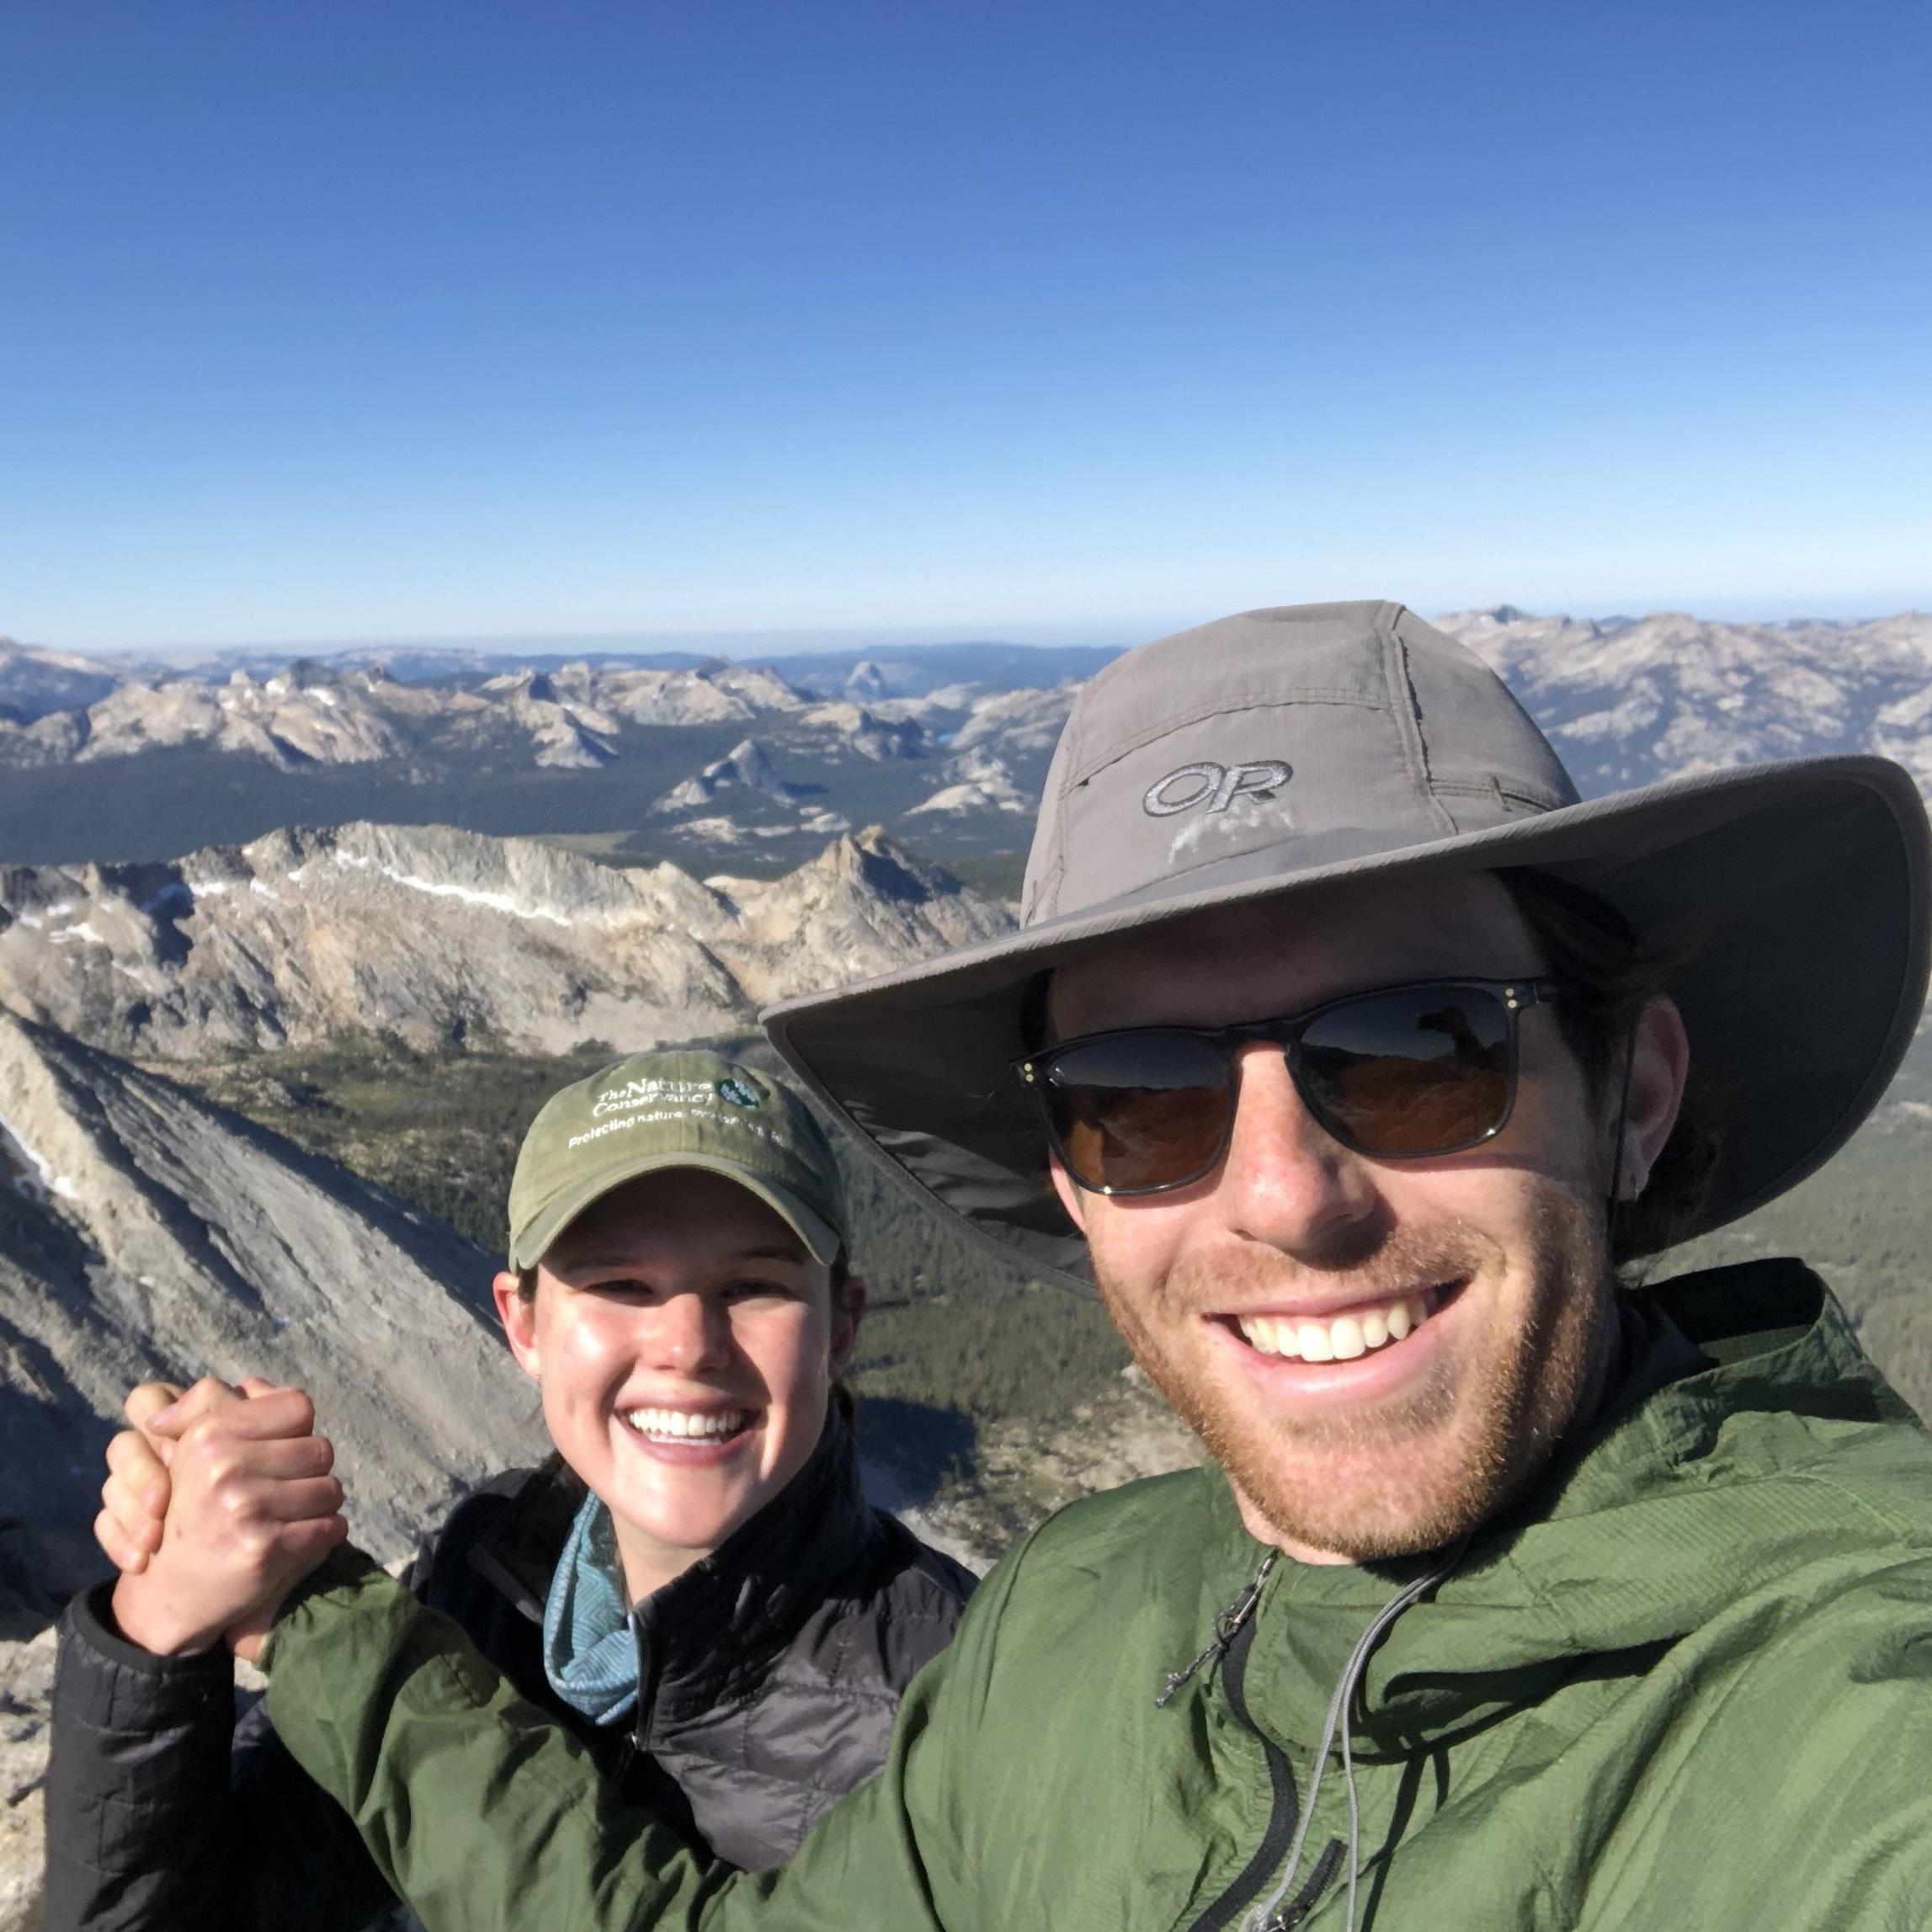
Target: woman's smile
(703, 1438)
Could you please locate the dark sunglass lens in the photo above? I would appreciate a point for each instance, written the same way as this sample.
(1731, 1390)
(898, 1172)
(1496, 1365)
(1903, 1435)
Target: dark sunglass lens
(1141, 1111)
(1415, 1071)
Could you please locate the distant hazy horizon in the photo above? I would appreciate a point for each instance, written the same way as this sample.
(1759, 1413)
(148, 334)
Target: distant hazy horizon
(807, 640)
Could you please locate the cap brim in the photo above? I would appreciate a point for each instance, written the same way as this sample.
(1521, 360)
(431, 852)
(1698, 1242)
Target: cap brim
(822, 1241)
(1798, 891)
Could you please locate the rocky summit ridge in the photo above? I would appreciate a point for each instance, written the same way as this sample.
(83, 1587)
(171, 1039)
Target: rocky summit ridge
(443, 937)
(57, 709)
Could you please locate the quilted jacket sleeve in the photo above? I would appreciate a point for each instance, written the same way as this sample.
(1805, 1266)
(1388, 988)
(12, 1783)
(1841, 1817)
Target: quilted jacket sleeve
(163, 1815)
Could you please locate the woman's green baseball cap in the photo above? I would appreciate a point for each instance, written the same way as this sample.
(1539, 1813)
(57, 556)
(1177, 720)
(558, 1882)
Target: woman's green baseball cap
(685, 1109)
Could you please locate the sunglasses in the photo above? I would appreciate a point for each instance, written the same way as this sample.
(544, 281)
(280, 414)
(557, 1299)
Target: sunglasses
(1399, 1074)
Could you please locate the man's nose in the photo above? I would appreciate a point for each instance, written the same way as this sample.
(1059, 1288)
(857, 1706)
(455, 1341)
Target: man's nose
(1286, 1180)
(690, 1331)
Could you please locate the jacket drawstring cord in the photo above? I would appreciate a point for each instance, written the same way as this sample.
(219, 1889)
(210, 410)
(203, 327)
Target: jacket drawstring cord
(1226, 1626)
(1339, 1715)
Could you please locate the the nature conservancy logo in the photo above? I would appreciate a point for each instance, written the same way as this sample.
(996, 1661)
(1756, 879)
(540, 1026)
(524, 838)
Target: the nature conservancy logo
(1216, 786)
(651, 1103)
(653, 1092)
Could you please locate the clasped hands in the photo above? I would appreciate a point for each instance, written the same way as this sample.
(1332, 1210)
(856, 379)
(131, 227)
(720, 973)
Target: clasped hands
(218, 1501)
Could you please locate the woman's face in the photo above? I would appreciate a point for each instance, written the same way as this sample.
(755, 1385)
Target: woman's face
(685, 1344)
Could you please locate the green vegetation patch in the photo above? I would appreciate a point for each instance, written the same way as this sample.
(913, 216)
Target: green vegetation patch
(440, 1130)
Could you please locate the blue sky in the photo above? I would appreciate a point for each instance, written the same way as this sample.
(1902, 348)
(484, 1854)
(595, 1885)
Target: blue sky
(387, 318)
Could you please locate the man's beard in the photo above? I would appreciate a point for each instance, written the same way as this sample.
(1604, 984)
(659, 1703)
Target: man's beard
(1415, 1472)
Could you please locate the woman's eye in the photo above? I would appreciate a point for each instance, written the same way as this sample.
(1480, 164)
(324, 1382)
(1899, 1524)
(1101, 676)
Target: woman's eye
(621, 1284)
(756, 1290)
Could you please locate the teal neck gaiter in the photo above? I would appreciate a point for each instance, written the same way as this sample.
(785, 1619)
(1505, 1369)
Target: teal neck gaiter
(590, 1650)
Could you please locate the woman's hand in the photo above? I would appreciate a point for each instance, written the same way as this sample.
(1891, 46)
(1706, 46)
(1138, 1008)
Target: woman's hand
(250, 1509)
(134, 1499)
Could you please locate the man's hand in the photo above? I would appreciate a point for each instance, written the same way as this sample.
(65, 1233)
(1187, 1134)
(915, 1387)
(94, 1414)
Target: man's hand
(134, 1499)
(250, 1508)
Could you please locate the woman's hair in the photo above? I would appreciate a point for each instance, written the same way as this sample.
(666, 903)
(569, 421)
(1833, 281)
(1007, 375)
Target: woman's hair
(1608, 976)
(844, 1399)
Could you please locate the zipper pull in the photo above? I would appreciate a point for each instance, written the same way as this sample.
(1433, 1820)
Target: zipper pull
(1226, 1626)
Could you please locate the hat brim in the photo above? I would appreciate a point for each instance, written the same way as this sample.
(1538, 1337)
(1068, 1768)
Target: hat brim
(822, 1241)
(1798, 891)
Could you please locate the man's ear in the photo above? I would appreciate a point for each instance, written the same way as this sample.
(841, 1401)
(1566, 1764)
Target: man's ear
(518, 1318)
(847, 1312)
(1072, 1196)
(1659, 1065)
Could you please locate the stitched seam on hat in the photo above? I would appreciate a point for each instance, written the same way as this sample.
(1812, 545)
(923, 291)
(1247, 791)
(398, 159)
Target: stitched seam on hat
(1225, 706)
(1404, 703)
(1469, 788)
(1046, 894)
(1043, 895)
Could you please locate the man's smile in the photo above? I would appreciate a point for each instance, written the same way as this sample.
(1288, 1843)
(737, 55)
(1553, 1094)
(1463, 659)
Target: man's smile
(1342, 1334)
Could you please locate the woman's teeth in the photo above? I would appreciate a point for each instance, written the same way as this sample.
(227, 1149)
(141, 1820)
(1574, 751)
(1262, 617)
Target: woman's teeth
(686, 1425)
(1340, 1338)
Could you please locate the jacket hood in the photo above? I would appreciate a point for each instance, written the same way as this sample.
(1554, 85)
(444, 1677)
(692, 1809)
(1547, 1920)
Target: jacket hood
(1749, 1439)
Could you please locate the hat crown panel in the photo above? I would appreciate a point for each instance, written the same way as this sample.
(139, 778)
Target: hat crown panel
(1488, 760)
(1301, 731)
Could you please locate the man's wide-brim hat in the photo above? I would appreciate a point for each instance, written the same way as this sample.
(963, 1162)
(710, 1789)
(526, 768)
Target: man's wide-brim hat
(1267, 755)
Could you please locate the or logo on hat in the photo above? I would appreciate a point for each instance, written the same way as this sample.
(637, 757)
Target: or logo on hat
(738, 1091)
(1214, 785)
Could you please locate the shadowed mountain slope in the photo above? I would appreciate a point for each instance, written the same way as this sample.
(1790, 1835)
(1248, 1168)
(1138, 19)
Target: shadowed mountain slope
(146, 1232)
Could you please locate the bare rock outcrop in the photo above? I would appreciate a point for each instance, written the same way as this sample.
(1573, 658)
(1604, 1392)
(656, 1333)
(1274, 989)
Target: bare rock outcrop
(1020, 721)
(747, 767)
(35, 683)
(294, 716)
(1626, 701)
(718, 693)
(866, 906)
(26, 1696)
(976, 781)
(872, 734)
(567, 731)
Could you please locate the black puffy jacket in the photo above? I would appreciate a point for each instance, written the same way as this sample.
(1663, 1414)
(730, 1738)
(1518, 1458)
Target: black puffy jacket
(769, 1674)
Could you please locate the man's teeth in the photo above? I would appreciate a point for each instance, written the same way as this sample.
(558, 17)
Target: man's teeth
(1341, 1339)
(684, 1425)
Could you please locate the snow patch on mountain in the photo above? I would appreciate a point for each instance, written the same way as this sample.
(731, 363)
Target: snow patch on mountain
(445, 937)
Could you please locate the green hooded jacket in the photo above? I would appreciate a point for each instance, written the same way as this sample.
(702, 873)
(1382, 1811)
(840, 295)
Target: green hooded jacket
(1687, 1683)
